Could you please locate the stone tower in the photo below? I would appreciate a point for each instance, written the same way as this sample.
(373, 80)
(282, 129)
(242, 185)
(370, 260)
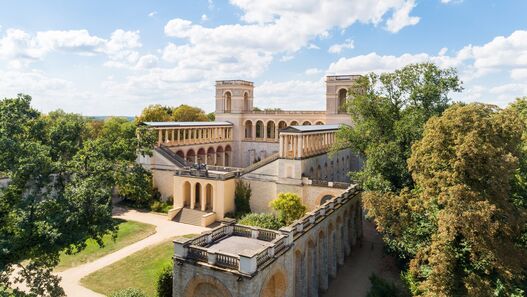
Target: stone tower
(336, 92)
(234, 96)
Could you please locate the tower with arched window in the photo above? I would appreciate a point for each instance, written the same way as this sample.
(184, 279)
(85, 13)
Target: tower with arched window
(234, 96)
(337, 87)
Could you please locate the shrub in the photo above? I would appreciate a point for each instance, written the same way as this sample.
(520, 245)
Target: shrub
(242, 197)
(382, 288)
(164, 282)
(289, 207)
(262, 220)
(130, 292)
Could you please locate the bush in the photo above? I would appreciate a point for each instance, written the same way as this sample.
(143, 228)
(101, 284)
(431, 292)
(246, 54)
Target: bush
(130, 292)
(242, 197)
(262, 220)
(382, 288)
(160, 206)
(164, 282)
(289, 207)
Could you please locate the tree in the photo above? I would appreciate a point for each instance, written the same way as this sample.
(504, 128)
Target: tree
(289, 207)
(211, 116)
(458, 224)
(262, 220)
(59, 192)
(389, 112)
(186, 113)
(135, 184)
(242, 198)
(164, 282)
(155, 113)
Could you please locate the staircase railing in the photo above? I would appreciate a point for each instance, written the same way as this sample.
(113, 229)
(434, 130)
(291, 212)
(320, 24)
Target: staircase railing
(261, 163)
(171, 156)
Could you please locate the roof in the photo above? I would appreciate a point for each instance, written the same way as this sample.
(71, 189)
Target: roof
(310, 128)
(185, 124)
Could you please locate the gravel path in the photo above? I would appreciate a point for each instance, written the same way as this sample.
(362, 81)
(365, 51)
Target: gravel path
(165, 230)
(353, 278)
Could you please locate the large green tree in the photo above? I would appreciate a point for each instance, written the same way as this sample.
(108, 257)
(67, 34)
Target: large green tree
(182, 113)
(459, 225)
(388, 113)
(60, 188)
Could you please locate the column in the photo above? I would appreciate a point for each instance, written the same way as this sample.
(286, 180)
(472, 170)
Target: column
(299, 146)
(276, 132)
(265, 132)
(160, 137)
(203, 197)
(192, 196)
(281, 143)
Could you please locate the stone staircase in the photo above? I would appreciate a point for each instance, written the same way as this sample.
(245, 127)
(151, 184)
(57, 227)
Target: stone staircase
(189, 216)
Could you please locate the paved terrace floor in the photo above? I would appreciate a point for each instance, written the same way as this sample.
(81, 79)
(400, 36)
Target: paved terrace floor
(165, 230)
(236, 244)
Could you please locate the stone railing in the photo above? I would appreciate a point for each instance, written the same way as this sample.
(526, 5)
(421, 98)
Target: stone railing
(199, 249)
(207, 174)
(328, 184)
(288, 112)
(261, 163)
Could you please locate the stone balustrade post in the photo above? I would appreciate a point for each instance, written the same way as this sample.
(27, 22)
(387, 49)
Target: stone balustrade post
(254, 233)
(312, 218)
(211, 257)
(181, 247)
(289, 232)
(248, 264)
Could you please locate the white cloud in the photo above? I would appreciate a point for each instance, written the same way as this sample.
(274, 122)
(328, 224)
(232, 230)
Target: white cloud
(338, 47)
(291, 95)
(20, 48)
(313, 46)
(153, 13)
(519, 74)
(313, 71)
(204, 18)
(401, 17)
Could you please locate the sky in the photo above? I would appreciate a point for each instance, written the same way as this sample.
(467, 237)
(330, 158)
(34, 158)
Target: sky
(116, 57)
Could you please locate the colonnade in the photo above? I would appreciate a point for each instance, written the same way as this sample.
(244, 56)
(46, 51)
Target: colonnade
(198, 195)
(269, 131)
(302, 145)
(193, 135)
(218, 156)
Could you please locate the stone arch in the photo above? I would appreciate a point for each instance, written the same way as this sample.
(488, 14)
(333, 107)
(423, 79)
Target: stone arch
(228, 155)
(322, 255)
(191, 156)
(332, 257)
(300, 274)
(293, 123)
(209, 197)
(276, 284)
(311, 172)
(206, 286)
(259, 129)
(312, 281)
(201, 156)
(248, 129)
(342, 95)
(282, 125)
(219, 156)
(317, 172)
(181, 154)
(246, 105)
(186, 194)
(319, 123)
(340, 242)
(306, 123)
(227, 97)
(197, 195)
(271, 129)
(210, 156)
(323, 198)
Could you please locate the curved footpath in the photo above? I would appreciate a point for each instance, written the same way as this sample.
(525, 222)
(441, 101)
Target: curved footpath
(165, 230)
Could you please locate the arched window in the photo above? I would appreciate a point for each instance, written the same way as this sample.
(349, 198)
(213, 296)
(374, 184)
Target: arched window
(259, 129)
(319, 123)
(343, 93)
(246, 106)
(306, 123)
(228, 101)
(294, 123)
(271, 130)
(248, 129)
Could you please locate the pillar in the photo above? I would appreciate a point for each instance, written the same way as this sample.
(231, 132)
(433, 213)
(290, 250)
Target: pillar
(203, 197)
(253, 132)
(192, 195)
(160, 137)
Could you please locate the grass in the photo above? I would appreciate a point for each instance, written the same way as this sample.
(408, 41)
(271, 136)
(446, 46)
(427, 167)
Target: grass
(139, 270)
(128, 233)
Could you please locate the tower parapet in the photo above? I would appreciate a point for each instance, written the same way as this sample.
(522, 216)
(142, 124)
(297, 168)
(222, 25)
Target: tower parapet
(234, 96)
(337, 92)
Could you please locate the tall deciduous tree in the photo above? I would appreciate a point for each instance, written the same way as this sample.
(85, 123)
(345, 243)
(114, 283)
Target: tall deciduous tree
(187, 113)
(458, 224)
(388, 113)
(60, 188)
(155, 113)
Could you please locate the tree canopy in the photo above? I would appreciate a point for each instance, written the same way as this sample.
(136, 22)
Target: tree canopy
(388, 113)
(458, 225)
(289, 207)
(182, 113)
(60, 187)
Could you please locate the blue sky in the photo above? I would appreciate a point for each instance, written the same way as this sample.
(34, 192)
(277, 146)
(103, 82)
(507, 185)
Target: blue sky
(116, 57)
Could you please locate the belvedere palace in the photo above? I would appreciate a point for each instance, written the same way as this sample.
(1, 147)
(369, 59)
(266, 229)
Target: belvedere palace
(198, 163)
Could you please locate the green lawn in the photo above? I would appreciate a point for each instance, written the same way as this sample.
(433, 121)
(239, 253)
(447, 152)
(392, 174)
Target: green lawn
(128, 233)
(139, 270)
